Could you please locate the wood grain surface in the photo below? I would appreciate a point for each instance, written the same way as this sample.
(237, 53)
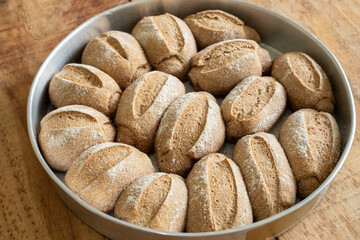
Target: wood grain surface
(29, 30)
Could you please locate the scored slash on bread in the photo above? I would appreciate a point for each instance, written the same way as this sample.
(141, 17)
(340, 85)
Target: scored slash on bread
(167, 42)
(217, 195)
(191, 128)
(269, 179)
(305, 82)
(80, 84)
(68, 131)
(141, 107)
(119, 55)
(158, 201)
(219, 67)
(212, 26)
(253, 105)
(312, 144)
(102, 172)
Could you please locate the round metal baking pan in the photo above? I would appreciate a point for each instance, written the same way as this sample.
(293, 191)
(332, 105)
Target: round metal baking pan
(278, 33)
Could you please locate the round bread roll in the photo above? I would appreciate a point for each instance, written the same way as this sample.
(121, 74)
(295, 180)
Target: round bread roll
(219, 67)
(103, 171)
(68, 131)
(305, 82)
(212, 26)
(141, 107)
(191, 128)
(267, 174)
(218, 199)
(311, 141)
(80, 84)
(254, 105)
(167, 42)
(119, 55)
(157, 201)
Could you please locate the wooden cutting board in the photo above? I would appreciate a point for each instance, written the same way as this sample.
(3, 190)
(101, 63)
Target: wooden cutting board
(29, 30)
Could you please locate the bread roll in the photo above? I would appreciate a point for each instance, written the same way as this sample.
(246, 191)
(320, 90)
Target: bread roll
(217, 196)
(251, 34)
(119, 55)
(219, 67)
(305, 82)
(68, 131)
(212, 26)
(254, 105)
(167, 42)
(142, 106)
(267, 174)
(311, 141)
(102, 172)
(191, 128)
(80, 84)
(157, 201)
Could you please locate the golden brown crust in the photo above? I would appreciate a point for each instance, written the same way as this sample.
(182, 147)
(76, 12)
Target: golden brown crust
(252, 34)
(265, 60)
(119, 55)
(191, 128)
(167, 42)
(80, 84)
(102, 172)
(312, 143)
(141, 107)
(305, 82)
(157, 201)
(267, 174)
(212, 26)
(219, 67)
(68, 131)
(253, 105)
(217, 196)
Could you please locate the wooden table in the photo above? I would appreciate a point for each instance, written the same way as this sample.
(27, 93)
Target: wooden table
(29, 30)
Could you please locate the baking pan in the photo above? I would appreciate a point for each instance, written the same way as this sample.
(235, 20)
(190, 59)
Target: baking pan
(278, 34)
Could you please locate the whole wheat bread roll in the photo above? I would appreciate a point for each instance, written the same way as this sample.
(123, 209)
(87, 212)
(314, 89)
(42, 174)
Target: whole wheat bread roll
(218, 198)
(212, 26)
(219, 67)
(141, 107)
(167, 42)
(312, 143)
(157, 201)
(253, 105)
(68, 131)
(80, 84)
(267, 174)
(119, 55)
(102, 172)
(305, 82)
(191, 128)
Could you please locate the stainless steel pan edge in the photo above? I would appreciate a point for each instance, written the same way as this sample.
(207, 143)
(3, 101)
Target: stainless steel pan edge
(269, 25)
